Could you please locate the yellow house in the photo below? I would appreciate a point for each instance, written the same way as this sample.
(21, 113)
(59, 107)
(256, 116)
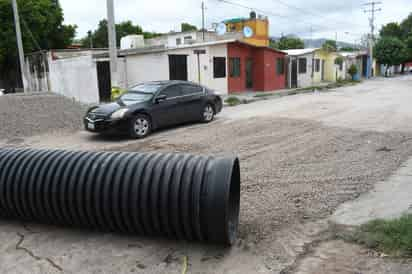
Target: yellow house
(258, 25)
(326, 69)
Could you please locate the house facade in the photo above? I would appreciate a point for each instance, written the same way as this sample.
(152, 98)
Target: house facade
(357, 58)
(301, 66)
(329, 70)
(254, 68)
(226, 66)
(200, 63)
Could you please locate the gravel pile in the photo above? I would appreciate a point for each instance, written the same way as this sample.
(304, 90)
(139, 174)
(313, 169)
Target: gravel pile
(34, 114)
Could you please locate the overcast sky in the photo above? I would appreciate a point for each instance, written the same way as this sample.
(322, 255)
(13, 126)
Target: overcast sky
(326, 17)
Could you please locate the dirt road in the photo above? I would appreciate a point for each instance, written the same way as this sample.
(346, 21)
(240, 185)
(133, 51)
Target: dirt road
(301, 157)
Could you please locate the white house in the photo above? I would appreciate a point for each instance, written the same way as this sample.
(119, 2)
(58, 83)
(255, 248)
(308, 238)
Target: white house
(178, 39)
(300, 67)
(195, 63)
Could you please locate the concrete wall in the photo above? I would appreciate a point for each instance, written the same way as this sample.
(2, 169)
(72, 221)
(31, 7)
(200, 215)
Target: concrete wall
(304, 79)
(332, 71)
(155, 66)
(75, 78)
(37, 70)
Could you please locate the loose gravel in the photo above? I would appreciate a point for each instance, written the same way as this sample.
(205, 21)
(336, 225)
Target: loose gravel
(34, 114)
(294, 172)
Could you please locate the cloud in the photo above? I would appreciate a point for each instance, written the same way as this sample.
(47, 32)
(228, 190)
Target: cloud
(324, 17)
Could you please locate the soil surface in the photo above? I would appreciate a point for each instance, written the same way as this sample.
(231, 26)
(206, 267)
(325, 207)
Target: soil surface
(296, 171)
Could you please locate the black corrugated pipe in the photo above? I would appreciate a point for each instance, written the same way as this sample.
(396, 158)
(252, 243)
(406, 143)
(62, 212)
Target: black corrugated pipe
(173, 195)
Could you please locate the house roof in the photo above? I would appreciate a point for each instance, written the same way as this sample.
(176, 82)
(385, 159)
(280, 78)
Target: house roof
(298, 52)
(352, 53)
(163, 48)
(157, 49)
(235, 20)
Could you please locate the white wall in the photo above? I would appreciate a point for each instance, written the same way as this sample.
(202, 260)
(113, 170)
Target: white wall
(75, 78)
(304, 79)
(155, 66)
(171, 39)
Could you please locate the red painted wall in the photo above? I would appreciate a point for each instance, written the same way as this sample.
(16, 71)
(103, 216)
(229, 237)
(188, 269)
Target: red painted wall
(264, 68)
(244, 52)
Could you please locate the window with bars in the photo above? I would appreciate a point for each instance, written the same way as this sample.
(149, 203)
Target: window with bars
(219, 67)
(280, 66)
(302, 65)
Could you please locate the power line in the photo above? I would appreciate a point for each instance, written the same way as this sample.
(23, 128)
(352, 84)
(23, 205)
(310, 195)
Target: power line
(372, 12)
(306, 11)
(273, 14)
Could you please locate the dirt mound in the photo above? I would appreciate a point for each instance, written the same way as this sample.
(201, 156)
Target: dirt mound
(35, 114)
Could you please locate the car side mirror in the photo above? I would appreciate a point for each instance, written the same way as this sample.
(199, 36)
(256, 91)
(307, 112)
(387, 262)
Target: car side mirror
(160, 98)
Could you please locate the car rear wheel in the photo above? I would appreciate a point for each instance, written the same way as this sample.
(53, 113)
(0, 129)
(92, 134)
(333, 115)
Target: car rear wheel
(140, 126)
(208, 113)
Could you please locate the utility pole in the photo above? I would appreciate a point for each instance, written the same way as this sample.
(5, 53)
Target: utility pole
(311, 33)
(90, 35)
(112, 42)
(336, 40)
(203, 20)
(371, 40)
(19, 44)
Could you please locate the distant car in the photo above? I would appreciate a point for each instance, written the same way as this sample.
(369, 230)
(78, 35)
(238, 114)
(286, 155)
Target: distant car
(154, 105)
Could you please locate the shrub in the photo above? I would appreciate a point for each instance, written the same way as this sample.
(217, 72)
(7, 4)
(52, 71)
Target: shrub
(353, 70)
(233, 101)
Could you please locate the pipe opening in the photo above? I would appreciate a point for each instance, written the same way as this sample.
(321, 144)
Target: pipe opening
(234, 202)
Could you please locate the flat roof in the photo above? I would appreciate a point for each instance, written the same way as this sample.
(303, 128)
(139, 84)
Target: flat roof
(195, 45)
(297, 52)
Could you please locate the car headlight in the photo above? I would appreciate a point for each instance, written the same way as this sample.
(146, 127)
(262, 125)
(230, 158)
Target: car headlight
(119, 114)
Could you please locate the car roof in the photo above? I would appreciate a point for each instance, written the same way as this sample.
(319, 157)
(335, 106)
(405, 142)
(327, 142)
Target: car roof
(169, 82)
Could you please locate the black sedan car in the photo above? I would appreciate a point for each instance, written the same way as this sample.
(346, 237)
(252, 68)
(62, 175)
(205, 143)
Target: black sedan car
(153, 105)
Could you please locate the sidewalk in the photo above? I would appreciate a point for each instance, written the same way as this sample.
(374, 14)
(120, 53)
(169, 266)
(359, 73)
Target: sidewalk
(253, 96)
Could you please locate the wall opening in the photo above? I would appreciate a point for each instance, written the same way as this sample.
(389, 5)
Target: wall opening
(178, 67)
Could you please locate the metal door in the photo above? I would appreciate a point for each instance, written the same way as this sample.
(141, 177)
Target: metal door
(104, 81)
(178, 67)
(249, 73)
(294, 74)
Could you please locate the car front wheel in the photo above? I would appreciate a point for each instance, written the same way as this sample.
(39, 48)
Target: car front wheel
(140, 126)
(208, 114)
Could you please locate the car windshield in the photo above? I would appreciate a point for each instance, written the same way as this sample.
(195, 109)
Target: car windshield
(140, 93)
(131, 98)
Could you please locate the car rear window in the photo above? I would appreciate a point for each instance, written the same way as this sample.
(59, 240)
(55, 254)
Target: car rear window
(146, 88)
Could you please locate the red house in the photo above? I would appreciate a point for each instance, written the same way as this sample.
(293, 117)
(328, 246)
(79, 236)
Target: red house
(253, 68)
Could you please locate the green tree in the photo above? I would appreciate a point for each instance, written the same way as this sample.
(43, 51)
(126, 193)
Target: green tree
(406, 26)
(330, 45)
(391, 30)
(348, 49)
(99, 37)
(353, 70)
(390, 51)
(188, 27)
(403, 32)
(408, 48)
(42, 28)
(286, 43)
